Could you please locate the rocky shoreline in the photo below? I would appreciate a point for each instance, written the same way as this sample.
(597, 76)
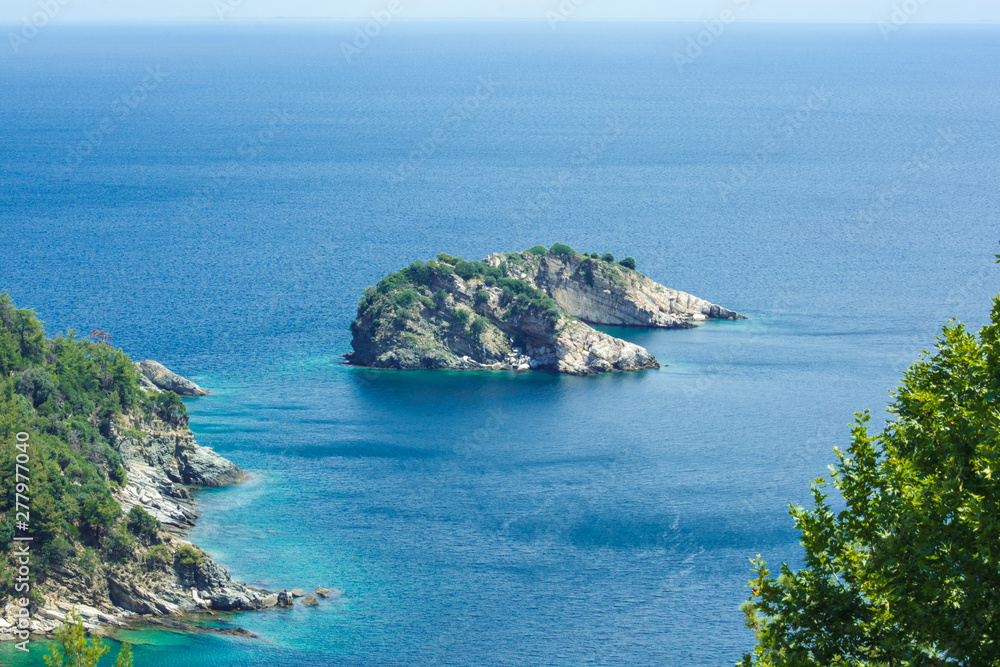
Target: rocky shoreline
(169, 577)
(518, 311)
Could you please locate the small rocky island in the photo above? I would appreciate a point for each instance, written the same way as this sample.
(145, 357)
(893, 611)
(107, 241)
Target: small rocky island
(518, 311)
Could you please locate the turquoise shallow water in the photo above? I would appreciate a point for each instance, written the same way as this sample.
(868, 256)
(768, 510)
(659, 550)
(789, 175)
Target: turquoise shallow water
(497, 518)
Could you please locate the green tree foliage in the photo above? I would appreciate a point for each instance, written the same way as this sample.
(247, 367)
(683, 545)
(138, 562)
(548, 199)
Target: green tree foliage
(469, 270)
(389, 302)
(586, 269)
(157, 556)
(124, 656)
(608, 257)
(99, 511)
(72, 649)
(169, 407)
(522, 298)
(562, 250)
(628, 263)
(462, 316)
(403, 299)
(478, 327)
(189, 555)
(142, 524)
(87, 562)
(908, 573)
(37, 384)
(119, 545)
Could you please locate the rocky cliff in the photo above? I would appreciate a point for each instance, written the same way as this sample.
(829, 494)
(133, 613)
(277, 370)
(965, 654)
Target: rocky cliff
(606, 293)
(517, 311)
(161, 574)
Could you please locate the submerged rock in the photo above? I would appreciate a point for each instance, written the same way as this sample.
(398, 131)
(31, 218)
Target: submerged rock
(156, 376)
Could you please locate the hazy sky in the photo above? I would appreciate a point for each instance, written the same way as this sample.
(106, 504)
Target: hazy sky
(923, 11)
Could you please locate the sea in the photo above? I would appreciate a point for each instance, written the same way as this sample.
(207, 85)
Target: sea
(217, 197)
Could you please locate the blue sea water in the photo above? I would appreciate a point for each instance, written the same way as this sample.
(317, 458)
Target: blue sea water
(838, 187)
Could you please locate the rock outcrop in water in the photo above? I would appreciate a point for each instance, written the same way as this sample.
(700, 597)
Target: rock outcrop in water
(157, 377)
(517, 311)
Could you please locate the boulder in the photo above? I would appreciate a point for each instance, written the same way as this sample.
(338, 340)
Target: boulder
(204, 467)
(297, 592)
(163, 378)
(310, 600)
(269, 601)
(284, 599)
(322, 592)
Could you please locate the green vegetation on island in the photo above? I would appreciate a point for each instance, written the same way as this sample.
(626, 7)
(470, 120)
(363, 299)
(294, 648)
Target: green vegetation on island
(518, 311)
(908, 573)
(419, 284)
(492, 314)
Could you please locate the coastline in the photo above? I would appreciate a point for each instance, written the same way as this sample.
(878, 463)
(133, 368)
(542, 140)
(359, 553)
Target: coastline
(169, 579)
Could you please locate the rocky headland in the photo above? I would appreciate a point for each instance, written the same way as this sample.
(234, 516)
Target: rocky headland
(99, 452)
(518, 311)
(164, 575)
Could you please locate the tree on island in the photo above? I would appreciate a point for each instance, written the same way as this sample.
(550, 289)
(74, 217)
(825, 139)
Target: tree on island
(71, 648)
(908, 574)
(562, 250)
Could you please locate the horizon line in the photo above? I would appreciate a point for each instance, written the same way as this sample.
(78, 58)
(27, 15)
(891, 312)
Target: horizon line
(513, 19)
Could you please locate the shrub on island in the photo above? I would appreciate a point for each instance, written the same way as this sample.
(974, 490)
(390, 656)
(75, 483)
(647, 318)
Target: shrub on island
(562, 250)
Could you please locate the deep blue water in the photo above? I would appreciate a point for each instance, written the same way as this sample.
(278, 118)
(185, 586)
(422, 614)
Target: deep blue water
(228, 223)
